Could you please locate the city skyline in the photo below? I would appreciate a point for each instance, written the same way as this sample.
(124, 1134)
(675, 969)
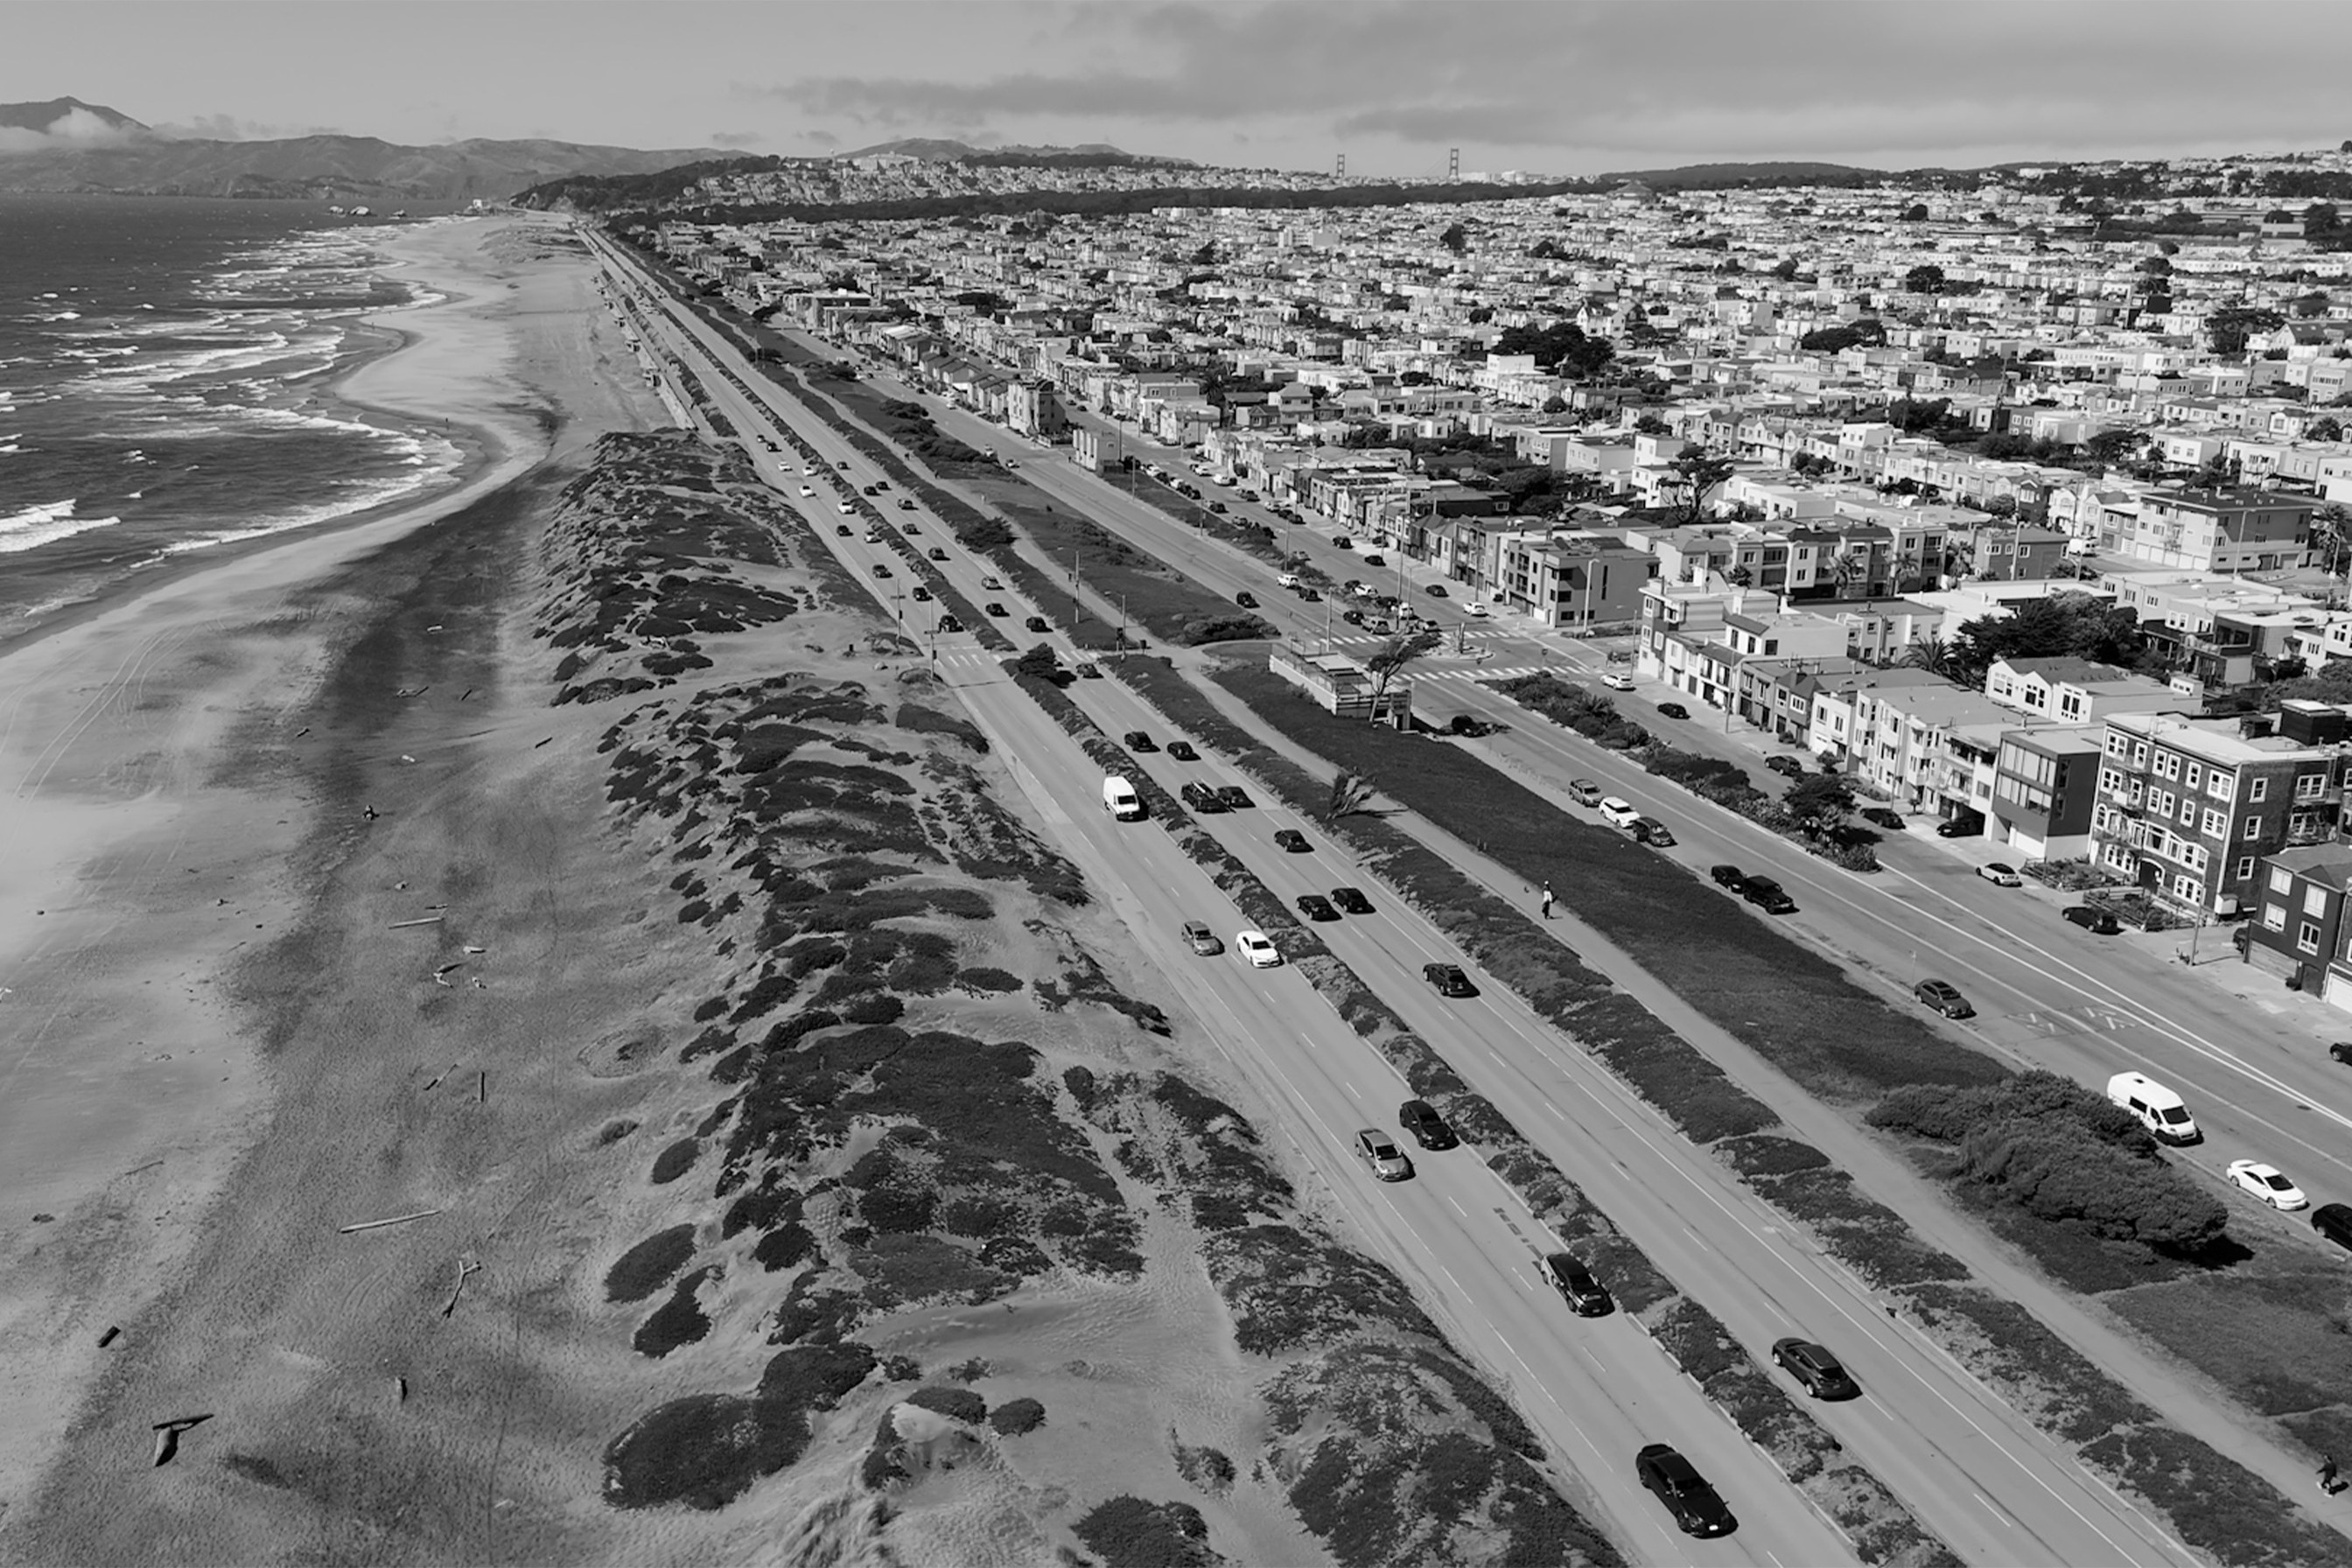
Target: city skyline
(1571, 89)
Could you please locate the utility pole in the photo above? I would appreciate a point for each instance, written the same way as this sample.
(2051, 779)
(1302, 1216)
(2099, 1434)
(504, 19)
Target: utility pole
(1078, 616)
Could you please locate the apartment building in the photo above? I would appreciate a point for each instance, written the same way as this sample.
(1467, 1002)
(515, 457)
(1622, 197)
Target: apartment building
(2186, 807)
(2217, 530)
(1901, 738)
(2067, 691)
(1576, 580)
(2044, 790)
(2298, 930)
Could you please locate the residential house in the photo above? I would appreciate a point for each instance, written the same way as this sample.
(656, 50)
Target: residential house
(2218, 530)
(2044, 789)
(2298, 930)
(2068, 690)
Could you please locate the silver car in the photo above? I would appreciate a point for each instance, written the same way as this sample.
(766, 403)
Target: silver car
(1378, 1151)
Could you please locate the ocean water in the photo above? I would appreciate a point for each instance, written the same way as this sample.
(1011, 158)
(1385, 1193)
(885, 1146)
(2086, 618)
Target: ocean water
(166, 383)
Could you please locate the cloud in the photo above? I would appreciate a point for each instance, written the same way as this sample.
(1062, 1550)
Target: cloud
(229, 128)
(736, 137)
(820, 138)
(76, 128)
(1705, 79)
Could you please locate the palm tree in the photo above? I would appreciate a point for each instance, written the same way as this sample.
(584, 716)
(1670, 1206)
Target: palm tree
(1349, 797)
(1932, 654)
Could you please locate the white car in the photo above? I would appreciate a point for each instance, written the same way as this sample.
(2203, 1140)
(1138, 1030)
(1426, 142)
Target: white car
(1476, 612)
(1253, 946)
(806, 491)
(1615, 681)
(845, 507)
(2265, 1183)
(2001, 876)
(1618, 811)
(991, 583)
(1381, 1156)
(1286, 580)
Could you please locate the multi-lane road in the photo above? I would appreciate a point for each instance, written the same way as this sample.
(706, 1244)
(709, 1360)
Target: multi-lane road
(1974, 1471)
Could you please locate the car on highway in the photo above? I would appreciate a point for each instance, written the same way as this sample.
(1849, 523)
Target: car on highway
(1968, 825)
(2334, 1221)
(2342, 1052)
(2092, 918)
(1235, 797)
(871, 491)
(1944, 997)
(1290, 838)
(1879, 816)
(2001, 876)
(1376, 558)
(1090, 671)
(843, 465)
(807, 490)
(1769, 896)
(1649, 830)
(1037, 623)
(1253, 946)
(1475, 611)
(1245, 599)
(1342, 541)
(992, 585)
(1315, 907)
(1618, 811)
(844, 507)
(1201, 938)
(1381, 1156)
(918, 594)
(1823, 1375)
(1137, 740)
(1420, 1118)
(1584, 792)
(1311, 595)
(1285, 580)
(1217, 507)
(2265, 1183)
(1351, 900)
(1730, 878)
(1435, 590)
(906, 503)
(1353, 617)
(1202, 798)
(841, 529)
(882, 568)
(950, 624)
(1673, 711)
(936, 554)
(1448, 980)
(1183, 752)
(1675, 1482)
(1617, 680)
(994, 608)
(1585, 1296)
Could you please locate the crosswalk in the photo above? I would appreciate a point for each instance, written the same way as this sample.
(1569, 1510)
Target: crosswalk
(1476, 672)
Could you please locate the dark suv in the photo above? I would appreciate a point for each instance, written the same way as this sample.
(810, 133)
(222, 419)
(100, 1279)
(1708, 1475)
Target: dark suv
(1585, 1296)
(1823, 1375)
(1428, 1129)
(1202, 798)
(1675, 1482)
(1449, 978)
(1769, 896)
(2334, 1221)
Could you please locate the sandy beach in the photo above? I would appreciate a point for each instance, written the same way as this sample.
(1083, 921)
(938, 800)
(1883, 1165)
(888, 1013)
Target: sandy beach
(164, 815)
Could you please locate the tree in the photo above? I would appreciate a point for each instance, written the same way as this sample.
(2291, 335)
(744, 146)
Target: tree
(1818, 801)
(1916, 213)
(1932, 654)
(1206, 255)
(1924, 279)
(2229, 329)
(1039, 662)
(2155, 267)
(1700, 472)
(1649, 424)
(2321, 221)
(1395, 654)
(2326, 428)
(1455, 238)
(1785, 269)
(1349, 797)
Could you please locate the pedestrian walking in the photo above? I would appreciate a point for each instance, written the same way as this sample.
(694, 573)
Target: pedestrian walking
(2327, 1474)
(1547, 900)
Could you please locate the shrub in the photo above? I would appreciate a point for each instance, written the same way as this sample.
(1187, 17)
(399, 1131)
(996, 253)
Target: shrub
(677, 1321)
(675, 1161)
(1015, 1416)
(2112, 1193)
(1129, 1533)
(650, 1264)
(955, 1404)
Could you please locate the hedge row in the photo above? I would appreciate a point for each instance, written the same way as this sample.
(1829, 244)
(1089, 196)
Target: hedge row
(2200, 1490)
(1881, 1528)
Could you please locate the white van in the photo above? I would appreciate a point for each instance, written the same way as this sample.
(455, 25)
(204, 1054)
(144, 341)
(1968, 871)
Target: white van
(1120, 800)
(2160, 1109)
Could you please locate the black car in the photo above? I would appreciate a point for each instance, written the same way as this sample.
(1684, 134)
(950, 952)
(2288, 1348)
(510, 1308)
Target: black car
(1769, 896)
(1969, 825)
(1435, 590)
(1730, 878)
(995, 608)
(1448, 979)
(1353, 617)
(1649, 830)
(937, 553)
(1037, 623)
(1090, 671)
(881, 569)
(2342, 1051)
(1351, 900)
(1787, 767)
(918, 594)
(1673, 711)
(1944, 997)
(1235, 797)
(950, 624)
(904, 504)
(1309, 594)
(1879, 816)
(1428, 1129)
(2097, 921)
(1183, 752)
(1823, 1375)
(1290, 838)
(842, 529)
(1200, 798)
(1315, 907)
(1676, 1482)
(1138, 741)
(1245, 599)
(1585, 1296)
(2334, 1221)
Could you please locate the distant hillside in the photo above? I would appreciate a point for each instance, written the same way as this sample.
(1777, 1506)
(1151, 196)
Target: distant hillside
(1086, 154)
(67, 145)
(1726, 176)
(1091, 204)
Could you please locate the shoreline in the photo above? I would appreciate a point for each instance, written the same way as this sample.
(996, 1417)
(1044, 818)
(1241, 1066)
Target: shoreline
(153, 791)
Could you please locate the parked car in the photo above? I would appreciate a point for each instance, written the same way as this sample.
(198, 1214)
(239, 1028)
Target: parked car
(1769, 896)
(1037, 623)
(1201, 940)
(1617, 680)
(1787, 767)
(1285, 580)
(1618, 811)
(2098, 921)
(1342, 541)
(1245, 599)
(1202, 798)
(1823, 1375)
(1731, 878)
(1675, 1482)
(1137, 740)
(1311, 595)
(1351, 900)
(1253, 946)
(1673, 711)
(1183, 752)
(1649, 830)
(1448, 979)
(1968, 825)
(2334, 1221)
(2265, 1183)
(1315, 907)
(1944, 997)
(994, 608)
(1475, 611)
(1585, 1294)
(2001, 876)
(1381, 1156)
(1428, 1129)
(1217, 507)
(1235, 797)
(1879, 816)
(1584, 792)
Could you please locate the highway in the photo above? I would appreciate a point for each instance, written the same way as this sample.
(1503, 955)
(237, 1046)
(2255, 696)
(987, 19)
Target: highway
(1974, 1471)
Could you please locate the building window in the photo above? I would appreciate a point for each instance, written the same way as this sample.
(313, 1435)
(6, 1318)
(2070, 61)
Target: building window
(2186, 889)
(2139, 753)
(2168, 765)
(2160, 801)
(2117, 745)
(2111, 781)
(2281, 878)
(2310, 786)
(2216, 824)
(2256, 789)
(2306, 937)
(2253, 828)
(2220, 785)
(2194, 777)
(2274, 917)
(2315, 900)
(2246, 869)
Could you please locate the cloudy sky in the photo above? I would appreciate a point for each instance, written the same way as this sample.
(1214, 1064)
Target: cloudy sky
(1559, 86)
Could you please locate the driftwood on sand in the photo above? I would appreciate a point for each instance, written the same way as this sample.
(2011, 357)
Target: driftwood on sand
(380, 1224)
